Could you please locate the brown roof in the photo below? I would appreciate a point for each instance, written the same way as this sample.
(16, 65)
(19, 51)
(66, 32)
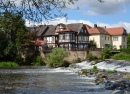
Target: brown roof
(75, 27)
(96, 30)
(116, 31)
(50, 30)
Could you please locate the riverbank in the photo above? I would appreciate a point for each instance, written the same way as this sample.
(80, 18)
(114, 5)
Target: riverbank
(113, 74)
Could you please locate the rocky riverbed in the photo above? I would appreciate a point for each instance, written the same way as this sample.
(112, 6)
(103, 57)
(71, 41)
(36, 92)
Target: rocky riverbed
(113, 74)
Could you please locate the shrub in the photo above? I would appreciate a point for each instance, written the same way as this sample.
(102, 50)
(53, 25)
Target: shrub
(91, 57)
(56, 57)
(8, 64)
(106, 53)
(77, 60)
(94, 69)
(111, 71)
(66, 63)
(121, 56)
(39, 61)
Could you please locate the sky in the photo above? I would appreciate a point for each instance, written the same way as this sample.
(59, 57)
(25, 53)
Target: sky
(110, 13)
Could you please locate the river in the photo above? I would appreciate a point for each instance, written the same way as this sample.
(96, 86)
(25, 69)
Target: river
(42, 80)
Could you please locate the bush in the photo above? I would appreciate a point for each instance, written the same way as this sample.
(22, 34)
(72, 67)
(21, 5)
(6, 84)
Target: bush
(56, 57)
(77, 60)
(106, 53)
(94, 69)
(39, 61)
(66, 63)
(91, 57)
(111, 71)
(121, 56)
(8, 64)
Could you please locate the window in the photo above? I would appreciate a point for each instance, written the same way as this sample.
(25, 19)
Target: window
(61, 36)
(123, 39)
(82, 30)
(105, 37)
(108, 38)
(85, 38)
(115, 38)
(85, 31)
(73, 36)
(66, 36)
(53, 38)
(102, 37)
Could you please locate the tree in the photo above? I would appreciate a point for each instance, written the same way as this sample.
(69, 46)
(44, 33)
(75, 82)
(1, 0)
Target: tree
(56, 57)
(36, 10)
(14, 37)
(93, 43)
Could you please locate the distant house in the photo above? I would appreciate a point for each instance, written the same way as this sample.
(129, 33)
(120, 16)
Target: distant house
(118, 37)
(79, 35)
(113, 37)
(72, 36)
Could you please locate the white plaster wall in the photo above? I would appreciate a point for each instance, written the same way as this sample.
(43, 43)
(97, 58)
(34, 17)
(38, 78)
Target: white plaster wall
(96, 38)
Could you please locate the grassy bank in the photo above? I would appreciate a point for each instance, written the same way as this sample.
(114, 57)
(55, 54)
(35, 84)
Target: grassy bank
(8, 64)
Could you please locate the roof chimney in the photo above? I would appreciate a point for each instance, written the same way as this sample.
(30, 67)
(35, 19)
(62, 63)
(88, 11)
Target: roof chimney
(95, 25)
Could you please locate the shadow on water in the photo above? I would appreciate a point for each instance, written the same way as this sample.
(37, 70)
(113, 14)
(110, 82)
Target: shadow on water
(41, 80)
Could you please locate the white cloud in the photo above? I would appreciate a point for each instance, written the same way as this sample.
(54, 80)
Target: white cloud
(93, 7)
(125, 25)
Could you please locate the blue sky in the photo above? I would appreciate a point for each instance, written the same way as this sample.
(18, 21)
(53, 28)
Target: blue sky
(111, 13)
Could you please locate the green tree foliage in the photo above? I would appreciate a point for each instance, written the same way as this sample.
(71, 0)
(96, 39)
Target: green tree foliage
(91, 57)
(39, 61)
(36, 10)
(56, 57)
(93, 43)
(106, 53)
(12, 29)
(15, 39)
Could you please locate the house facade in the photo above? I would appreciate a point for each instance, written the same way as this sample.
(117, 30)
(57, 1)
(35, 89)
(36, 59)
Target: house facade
(79, 35)
(73, 36)
(119, 38)
(114, 37)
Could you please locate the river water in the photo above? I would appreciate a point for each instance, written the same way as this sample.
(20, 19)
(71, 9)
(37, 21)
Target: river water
(41, 80)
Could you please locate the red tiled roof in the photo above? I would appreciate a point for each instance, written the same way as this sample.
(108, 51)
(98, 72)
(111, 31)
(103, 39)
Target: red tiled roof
(40, 42)
(96, 30)
(115, 31)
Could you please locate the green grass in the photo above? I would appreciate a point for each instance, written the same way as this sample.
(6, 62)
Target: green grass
(110, 71)
(121, 56)
(8, 64)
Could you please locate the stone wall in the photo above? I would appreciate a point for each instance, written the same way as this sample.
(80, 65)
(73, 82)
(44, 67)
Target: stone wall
(73, 55)
(96, 53)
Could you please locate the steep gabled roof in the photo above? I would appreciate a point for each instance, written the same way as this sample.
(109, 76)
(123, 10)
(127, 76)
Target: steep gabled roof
(96, 30)
(50, 30)
(38, 29)
(75, 27)
(116, 31)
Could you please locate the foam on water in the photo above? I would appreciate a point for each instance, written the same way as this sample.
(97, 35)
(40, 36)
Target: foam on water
(120, 66)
